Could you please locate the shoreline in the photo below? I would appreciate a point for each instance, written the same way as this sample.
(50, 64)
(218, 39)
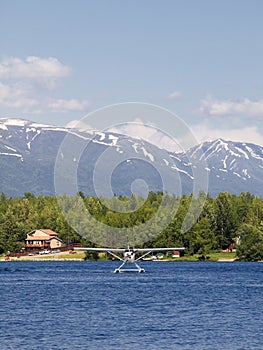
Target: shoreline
(80, 256)
(100, 260)
(54, 258)
(62, 256)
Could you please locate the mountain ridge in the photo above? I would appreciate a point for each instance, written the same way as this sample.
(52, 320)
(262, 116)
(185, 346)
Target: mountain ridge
(29, 150)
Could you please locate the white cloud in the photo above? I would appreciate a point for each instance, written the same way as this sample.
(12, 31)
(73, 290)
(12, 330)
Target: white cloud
(243, 107)
(72, 105)
(45, 71)
(24, 103)
(147, 132)
(4, 91)
(16, 96)
(204, 132)
(21, 95)
(26, 84)
(175, 95)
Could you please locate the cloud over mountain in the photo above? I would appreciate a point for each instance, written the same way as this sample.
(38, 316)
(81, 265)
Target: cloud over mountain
(27, 83)
(64, 106)
(175, 95)
(44, 70)
(242, 107)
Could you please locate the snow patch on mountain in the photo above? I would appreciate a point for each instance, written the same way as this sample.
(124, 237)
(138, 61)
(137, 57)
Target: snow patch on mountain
(147, 154)
(224, 161)
(10, 148)
(253, 154)
(135, 147)
(242, 151)
(182, 171)
(12, 154)
(114, 139)
(13, 122)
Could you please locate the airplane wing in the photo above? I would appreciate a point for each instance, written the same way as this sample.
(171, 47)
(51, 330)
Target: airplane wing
(144, 250)
(122, 250)
(147, 251)
(114, 250)
(111, 251)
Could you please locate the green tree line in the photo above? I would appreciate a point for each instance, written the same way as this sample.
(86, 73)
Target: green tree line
(224, 221)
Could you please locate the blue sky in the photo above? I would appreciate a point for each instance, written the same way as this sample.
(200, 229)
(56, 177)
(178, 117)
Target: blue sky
(202, 60)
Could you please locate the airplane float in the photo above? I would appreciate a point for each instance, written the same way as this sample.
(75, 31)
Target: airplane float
(129, 256)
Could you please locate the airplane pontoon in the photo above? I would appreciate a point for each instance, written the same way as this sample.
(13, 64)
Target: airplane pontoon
(129, 256)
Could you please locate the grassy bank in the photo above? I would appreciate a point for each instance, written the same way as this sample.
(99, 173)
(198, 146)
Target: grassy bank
(214, 256)
(57, 256)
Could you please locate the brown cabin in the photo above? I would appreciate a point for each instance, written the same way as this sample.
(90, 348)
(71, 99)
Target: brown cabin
(42, 239)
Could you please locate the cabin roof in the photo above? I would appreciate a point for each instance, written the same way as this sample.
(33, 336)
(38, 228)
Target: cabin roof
(42, 234)
(48, 231)
(44, 230)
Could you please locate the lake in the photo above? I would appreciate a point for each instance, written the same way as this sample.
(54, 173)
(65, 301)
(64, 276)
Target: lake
(174, 305)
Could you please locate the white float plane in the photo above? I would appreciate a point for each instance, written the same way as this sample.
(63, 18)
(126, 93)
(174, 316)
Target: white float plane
(129, 255)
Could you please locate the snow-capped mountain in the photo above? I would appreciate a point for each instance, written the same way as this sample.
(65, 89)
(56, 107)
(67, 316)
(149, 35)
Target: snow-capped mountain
(232, 166)
(44, 159)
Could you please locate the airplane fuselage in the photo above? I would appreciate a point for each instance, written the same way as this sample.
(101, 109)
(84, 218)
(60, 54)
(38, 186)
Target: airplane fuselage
(129, 256)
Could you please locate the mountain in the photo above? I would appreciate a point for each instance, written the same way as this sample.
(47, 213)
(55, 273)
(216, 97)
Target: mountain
(46, 160)
(232, 166)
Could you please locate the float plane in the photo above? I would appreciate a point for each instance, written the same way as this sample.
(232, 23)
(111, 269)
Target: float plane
(129, 255)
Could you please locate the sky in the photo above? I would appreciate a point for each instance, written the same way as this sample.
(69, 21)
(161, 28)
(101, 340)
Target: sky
(201, 60)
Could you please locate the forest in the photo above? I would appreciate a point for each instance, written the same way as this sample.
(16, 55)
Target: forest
(228, 220)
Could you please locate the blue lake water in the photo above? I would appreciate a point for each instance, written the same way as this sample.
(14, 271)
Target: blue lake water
(83, 305)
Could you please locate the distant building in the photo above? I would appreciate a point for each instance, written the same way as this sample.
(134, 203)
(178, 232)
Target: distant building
(176, 254)
(42, 239)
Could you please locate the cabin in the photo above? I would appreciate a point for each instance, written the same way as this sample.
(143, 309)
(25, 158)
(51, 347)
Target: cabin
(176, 254)
(42, 239)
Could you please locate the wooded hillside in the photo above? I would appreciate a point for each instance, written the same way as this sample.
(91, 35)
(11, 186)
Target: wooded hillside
(224, 220)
